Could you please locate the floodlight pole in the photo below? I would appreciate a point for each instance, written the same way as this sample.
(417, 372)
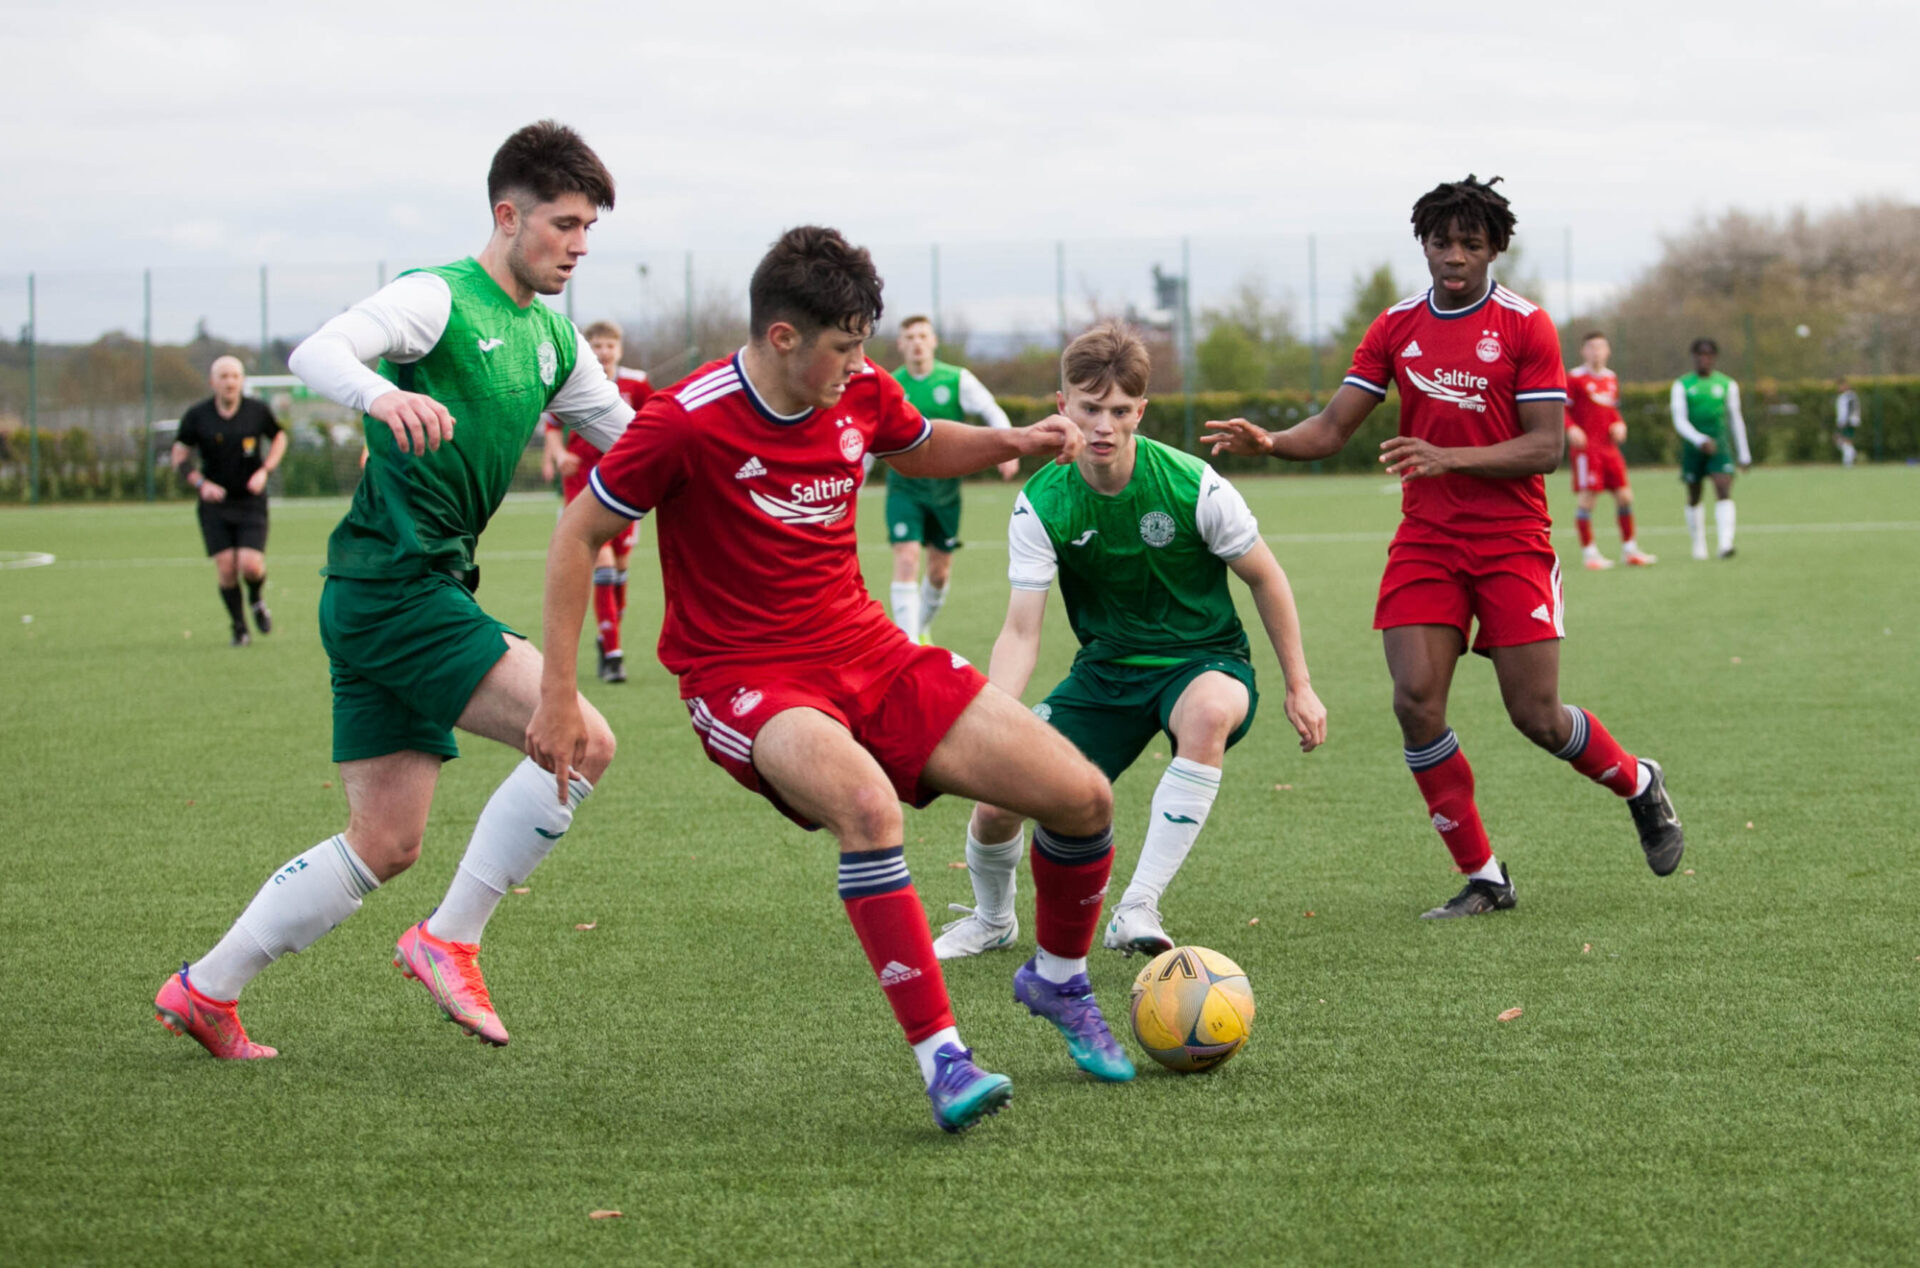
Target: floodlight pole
(1060, 288)
(1313, 319)
(146, 379)
(693, 353)
(1568, 254)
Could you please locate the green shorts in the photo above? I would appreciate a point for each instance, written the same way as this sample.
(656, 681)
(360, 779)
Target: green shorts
(406, 656)
(1696, 465)
(1112, 711)
(913, 518)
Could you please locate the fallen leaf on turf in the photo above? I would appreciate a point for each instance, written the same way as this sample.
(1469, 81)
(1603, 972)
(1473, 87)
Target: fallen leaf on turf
(1307, 914)
(1916, 957)
(1736, 660)
(1283, 788)
(591, 924)
(1688, 872)
(186, 633)
(961, 866)
(1749, 825)
(1256, 920)
(523, 889)
(1510, 1014)
(604, 1215)
(1586, 948)
(189, 801)
(1159, 757)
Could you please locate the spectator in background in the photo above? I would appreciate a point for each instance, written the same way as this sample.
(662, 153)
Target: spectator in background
(239, 444)
(1846, 420)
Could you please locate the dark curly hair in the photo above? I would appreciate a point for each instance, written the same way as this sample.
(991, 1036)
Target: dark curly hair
(813, 278)
(1470, 204)
(548, 159)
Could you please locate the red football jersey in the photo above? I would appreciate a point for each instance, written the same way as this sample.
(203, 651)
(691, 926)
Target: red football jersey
(1462, 376)
(1593, 405)
(634, 389)
(758, 555)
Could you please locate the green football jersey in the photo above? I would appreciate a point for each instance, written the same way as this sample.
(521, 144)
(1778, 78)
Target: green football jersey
(496, 367)
(1144, 571)
(1707, 402)
(936, 396)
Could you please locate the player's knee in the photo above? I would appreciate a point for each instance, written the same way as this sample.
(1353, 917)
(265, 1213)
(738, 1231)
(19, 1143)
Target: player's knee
(1541, 720)
(600, 749)
(386, 853)
(1420, 713)
(1088, 806)
(872, 819)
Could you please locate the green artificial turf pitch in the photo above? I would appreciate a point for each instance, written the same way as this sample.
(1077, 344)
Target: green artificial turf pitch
(1715, 1067)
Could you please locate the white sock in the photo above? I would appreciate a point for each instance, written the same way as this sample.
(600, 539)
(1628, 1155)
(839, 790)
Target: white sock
(931, 597)
(311, 894)
(1491, 872)
(1723, 522)
(1056, 968)
(924, 1050)
(521, 823)
(906, 607)
(994, 871)
(1631, 546)
(1697, 528)
(1180, 807)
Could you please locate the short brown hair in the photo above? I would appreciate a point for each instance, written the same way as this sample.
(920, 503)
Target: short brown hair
(1591, 335)
(547, 160)
(604, 329)
(813, 278)
(918, 319)
(1108, 356)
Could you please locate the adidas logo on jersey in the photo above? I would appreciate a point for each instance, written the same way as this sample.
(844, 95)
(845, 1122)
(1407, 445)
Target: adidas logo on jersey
(1443, 824)
(1412, 350)
(895, 973)
(749, 469)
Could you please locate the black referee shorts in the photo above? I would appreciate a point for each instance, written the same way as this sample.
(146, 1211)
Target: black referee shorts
(224, 526)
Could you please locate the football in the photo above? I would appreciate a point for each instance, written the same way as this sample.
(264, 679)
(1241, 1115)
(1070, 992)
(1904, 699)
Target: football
(1192, 1009)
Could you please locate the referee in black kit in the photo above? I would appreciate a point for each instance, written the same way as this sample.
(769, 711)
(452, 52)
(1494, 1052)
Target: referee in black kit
(231, 432)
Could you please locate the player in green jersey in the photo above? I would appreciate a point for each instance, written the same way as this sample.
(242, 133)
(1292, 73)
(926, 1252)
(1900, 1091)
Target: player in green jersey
(1142, 537)
(927, 511)
(469, 361)
(1706, 413)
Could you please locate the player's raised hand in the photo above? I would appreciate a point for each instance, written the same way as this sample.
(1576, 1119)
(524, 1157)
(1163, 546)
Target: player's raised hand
(1055, 435)
(1308, 716)
(557, 739)
(1239, 437)
(1412, 458)
(418, 423)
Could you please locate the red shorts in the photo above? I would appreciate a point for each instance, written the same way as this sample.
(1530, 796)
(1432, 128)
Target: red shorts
(899, 702)
(1597, 470)
(1514, 595)
(574, 485)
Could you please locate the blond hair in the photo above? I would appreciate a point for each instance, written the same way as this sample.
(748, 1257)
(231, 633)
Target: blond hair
(604, 329)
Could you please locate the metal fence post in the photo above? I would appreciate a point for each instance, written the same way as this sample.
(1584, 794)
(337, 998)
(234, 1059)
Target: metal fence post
(146, 379)
(263, 319)
(33, 395)
(1186, 334)
(1060, 288)
(936, 285)
(693, 353)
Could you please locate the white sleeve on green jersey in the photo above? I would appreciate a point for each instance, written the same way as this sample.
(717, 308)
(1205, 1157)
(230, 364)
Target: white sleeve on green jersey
(1225, 520)
(975, 399)
(588, 404)
(401, 322)
(1742, 454)
(1677, 400)
(1031, 563)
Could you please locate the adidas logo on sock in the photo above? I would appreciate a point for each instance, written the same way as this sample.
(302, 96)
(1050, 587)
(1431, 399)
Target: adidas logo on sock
(1609, 772)
(749, 469)
(1443, 824)
(895, 973)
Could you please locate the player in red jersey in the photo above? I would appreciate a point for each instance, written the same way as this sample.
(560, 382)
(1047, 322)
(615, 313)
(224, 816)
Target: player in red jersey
(1481, 398)
(799, 684)
(574, 459)
(1594, 432)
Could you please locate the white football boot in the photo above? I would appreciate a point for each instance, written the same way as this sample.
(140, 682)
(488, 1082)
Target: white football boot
(970, 935)
(1136, 927)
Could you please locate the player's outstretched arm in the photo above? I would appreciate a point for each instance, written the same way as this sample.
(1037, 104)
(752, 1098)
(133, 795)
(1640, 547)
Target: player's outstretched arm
(955, 449)
(1273, 597)
(557, 733)
(1321, 436)
(1535, 451)
(1017, 650)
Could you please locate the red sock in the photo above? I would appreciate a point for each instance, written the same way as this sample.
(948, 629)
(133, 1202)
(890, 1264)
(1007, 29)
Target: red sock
(1584, 522)
(892, 927)
(607, 612)
(620, 595)
(1596, 754)
(1626, 524)
(1446, 781)
(1069, 884)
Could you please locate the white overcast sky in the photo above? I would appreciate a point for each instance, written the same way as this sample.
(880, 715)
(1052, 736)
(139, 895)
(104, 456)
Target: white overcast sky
(222, 136)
